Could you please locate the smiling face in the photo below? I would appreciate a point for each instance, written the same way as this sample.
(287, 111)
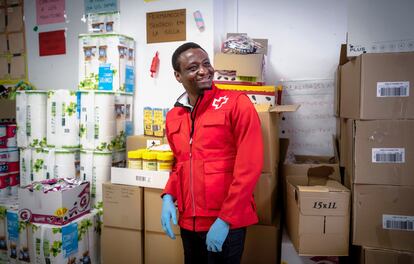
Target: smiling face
(196, 72)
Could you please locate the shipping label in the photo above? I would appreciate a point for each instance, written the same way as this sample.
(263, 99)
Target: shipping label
(398, 222)
(393, 89)
(388, 155)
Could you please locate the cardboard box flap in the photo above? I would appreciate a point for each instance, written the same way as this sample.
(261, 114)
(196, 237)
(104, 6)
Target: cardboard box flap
(331, 186)
(277, 108)
(262, 42)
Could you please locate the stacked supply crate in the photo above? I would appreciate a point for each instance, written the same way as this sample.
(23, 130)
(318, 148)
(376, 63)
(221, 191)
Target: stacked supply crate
(52, 223)
(106, 84)
(377, 112)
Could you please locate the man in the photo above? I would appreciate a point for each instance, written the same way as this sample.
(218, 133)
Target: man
(216, 139)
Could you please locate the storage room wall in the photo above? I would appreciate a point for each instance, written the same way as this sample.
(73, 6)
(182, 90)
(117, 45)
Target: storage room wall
(304, 40)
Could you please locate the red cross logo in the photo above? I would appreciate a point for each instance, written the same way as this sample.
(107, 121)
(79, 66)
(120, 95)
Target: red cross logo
(219, 102)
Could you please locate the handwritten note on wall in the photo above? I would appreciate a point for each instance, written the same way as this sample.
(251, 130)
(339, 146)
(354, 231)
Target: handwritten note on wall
(309, 129)
(100, 6)
(166, 26)
(50, 11)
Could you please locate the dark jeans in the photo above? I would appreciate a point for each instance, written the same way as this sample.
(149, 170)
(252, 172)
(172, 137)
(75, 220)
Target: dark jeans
(195, 248)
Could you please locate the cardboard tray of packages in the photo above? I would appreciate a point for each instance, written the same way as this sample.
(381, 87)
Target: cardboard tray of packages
(143, 178)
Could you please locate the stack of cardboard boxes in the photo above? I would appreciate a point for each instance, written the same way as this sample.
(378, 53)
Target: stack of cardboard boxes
(132, 204)
(246, 73)
(377, 150)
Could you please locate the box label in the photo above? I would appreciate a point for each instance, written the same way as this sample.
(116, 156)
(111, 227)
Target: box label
(12, 226)
(324, 205)
(70, 239)
(393, 89)
(144, 179)
(388, 155)
(398, 222)
(105, 77)
(129, 79)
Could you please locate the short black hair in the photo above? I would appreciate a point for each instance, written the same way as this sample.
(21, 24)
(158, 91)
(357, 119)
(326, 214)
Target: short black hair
(181, 49)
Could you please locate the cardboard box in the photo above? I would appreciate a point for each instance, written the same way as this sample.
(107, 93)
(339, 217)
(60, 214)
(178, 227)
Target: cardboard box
(122, 246)
(143, 178)
(381, 152)
(123, 206)
(75, 242)
(377, 86)
(54, 207)
(152, 208)
(384, 256)
(18, 67)
(265, 196)
(383, 26)
(318, 216)
(303, 165)
(262, 244)
(155, 237)
(7, 108)
(290, 256)
(142, 141)
(159, 248)
(383, 216)
(15, 19)
(16, 43)
(241, 68)
(269, 119)
(244, 68)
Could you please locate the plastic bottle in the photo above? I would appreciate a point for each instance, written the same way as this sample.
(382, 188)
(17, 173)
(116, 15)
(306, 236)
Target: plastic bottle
(165, 160)
(149, 160)
(135, 159)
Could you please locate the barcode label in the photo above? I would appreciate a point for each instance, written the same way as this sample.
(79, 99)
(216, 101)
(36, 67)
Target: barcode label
(143, 179)
(393, 89)
(388, 155)
(398, 222)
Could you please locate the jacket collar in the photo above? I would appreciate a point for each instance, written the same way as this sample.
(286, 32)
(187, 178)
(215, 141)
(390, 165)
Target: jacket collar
(183, 101)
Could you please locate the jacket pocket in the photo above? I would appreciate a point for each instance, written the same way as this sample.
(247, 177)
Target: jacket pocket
(218, 176)
(216, 130)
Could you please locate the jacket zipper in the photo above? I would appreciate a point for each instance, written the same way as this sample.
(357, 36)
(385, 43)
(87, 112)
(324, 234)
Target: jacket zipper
(193, 115)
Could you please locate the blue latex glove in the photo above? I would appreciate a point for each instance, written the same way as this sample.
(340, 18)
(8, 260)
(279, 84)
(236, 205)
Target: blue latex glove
(217, 235)
(168, 212)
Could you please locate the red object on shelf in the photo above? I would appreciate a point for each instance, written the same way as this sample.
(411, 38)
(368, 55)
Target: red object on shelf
(154, 65)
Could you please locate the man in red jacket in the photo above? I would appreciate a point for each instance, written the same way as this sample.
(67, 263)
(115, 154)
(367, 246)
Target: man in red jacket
(216, 139)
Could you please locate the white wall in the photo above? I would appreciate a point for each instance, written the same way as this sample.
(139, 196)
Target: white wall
(304, 40)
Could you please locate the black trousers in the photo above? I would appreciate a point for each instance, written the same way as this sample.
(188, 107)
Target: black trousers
(195, 248)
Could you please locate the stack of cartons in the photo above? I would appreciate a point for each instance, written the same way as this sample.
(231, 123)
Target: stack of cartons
(245, 72)
(377, 112)
(151, 235)
(266, 191)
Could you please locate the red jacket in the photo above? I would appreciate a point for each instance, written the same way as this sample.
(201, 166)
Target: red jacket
(218, 149)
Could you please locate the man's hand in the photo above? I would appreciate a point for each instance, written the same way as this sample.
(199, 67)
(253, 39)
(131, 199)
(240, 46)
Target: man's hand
(217, 235)
(168, 212)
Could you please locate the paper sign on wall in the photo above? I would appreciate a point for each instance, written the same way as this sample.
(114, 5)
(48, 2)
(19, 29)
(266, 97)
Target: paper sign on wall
(100, 6)
(50, 11)
(166, 26)
(52, 43)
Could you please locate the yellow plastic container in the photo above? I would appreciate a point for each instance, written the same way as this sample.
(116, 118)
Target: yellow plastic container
(165, 161)
(149, 160)
(135, 159)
